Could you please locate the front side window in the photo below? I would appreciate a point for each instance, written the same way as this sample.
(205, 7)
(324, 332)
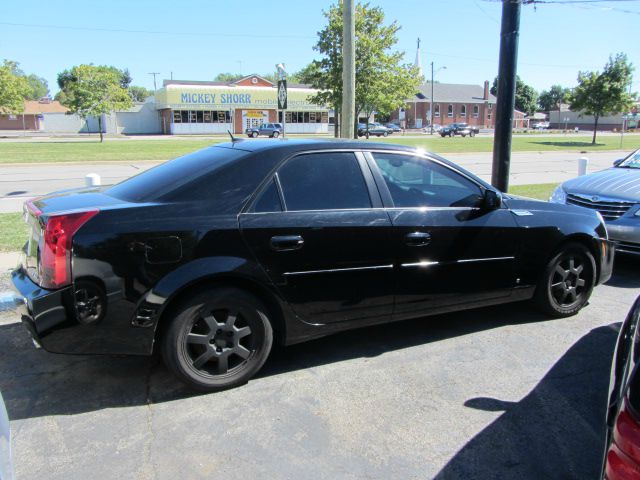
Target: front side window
(323, 181)
(417, 182)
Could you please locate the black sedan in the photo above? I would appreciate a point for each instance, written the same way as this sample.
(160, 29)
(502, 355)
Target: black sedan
(214, 256)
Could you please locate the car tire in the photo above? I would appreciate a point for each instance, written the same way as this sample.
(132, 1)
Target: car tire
(385, 134)
(217, 339)
(254, 134)
(276, 134)
(567, 281)
(472, 134)
(463, 135)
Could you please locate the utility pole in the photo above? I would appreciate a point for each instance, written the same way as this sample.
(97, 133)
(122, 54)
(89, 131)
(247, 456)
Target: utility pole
(348, 69)
(509, 33)
(154, 80)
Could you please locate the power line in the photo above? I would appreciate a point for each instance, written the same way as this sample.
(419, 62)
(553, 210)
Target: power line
(152, 32)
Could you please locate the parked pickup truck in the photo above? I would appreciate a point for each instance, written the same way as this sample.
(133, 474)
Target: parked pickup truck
(463, 129)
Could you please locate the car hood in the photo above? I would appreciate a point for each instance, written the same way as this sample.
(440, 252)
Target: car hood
(622, 183)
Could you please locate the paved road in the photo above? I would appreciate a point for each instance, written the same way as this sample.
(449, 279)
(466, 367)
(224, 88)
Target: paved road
(498, 393)
(19, 183)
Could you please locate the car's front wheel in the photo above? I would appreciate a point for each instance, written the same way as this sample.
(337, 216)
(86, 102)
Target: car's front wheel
(276, 134)
(254, 134)
(385, 134)
(567, 282)
(218, 339)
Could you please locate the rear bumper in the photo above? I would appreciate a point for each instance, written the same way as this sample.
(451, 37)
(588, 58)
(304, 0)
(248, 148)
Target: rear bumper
(42, 311)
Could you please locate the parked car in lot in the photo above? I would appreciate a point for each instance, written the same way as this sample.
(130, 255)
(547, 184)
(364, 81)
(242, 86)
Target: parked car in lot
(393, 128)
(540, 125)
(373, 129)
(462, 129)
(212, 257)
(6, 469)
(615, 193)
(622, 446)
(273, 130)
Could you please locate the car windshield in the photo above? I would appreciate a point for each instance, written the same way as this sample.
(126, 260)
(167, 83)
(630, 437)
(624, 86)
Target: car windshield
(632, 161)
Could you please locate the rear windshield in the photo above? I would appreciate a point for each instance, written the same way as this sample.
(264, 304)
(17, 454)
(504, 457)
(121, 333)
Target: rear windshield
(177, 179)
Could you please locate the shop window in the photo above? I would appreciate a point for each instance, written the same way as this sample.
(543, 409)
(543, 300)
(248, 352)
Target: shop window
(294, 117)
(206, 116)
(185, 116)
(288, 117)
(312, 117)
(305, 117)
(436, 110)
(463, 110)
(177, 117)
(325, 117)
(199, 116)
(476, 111)
(450, 111)
(279, 116)
(193, 116)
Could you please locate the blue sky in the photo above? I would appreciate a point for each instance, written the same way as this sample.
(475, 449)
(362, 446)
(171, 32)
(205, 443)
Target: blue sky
(198, 39)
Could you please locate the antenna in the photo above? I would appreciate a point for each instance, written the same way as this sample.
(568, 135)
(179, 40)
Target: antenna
(234, 139)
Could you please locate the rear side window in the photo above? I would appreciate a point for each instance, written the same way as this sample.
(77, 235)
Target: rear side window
(323, 181)
(268, 200)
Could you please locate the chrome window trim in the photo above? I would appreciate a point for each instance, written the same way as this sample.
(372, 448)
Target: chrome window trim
(428, 263)
(337, 270)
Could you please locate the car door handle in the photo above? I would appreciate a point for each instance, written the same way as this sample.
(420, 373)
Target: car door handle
(417, 239)
(287, 242)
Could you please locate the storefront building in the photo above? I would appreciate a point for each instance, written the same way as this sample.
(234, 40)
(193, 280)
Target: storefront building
(217, 107)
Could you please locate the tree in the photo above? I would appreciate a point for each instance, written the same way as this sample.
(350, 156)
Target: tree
(383, 83)
(606, 93)
(38, 87)
(526, 96)
(94, 90)
(13, 89)
(227, 77)
(139, 94)
(553, 98)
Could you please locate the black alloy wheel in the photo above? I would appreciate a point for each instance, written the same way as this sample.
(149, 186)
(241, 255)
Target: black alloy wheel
(567, 282)
(218, 339)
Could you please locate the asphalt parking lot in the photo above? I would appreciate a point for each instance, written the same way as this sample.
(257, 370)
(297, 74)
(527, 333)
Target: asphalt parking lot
(500, 392)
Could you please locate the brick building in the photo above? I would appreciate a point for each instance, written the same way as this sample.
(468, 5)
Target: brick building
(33, 115)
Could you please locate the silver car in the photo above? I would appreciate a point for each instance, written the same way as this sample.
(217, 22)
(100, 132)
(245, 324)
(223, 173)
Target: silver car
(6, 472)
(615, 193)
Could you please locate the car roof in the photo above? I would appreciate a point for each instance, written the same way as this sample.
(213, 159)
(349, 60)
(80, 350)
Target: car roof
(293, 145)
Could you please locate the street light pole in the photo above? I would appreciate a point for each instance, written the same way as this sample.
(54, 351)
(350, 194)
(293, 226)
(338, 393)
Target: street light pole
(348, 69)
(509, 33)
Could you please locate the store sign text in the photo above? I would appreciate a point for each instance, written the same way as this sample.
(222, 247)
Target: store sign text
(225, 98)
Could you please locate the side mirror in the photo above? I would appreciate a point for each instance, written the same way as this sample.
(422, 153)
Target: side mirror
(618, 162)
(492, 200)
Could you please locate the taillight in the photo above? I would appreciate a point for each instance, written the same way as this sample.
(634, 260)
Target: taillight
(623, 457)
(55, 252)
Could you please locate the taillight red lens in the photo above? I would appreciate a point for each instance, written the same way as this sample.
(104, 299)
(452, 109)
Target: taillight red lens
(55, 253)
(623, 457)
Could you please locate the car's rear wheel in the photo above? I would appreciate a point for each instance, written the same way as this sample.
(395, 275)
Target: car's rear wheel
(276, 134)
(218, 339)
(567, 282)
(254, 134)
(472, 133)
(385, 134)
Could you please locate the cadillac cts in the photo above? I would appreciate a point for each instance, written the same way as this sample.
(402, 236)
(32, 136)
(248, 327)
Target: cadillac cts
(214, 256)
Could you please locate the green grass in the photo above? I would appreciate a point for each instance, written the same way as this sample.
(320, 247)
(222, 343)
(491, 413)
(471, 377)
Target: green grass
(13, 232)
(136, 150)
(438, 144)
(541, 191)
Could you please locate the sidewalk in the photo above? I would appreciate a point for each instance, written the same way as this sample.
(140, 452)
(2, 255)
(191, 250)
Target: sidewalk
(8, 261)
